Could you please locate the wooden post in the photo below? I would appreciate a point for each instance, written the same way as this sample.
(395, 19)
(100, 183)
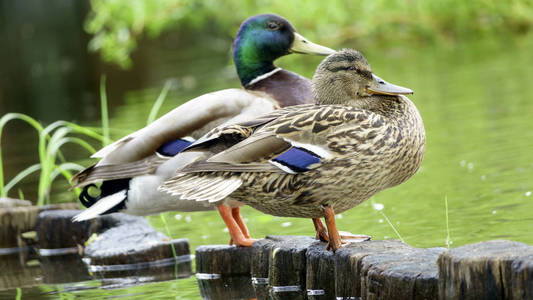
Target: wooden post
(223, 272)
(259, 267)
(488, 270)
(385, 270)
(14, 221)
(57, 234)
(134, 244)
(320, 279)
(287, 270)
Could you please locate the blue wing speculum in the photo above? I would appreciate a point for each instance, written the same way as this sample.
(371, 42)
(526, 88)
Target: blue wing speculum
(296, 160)
(173, 147)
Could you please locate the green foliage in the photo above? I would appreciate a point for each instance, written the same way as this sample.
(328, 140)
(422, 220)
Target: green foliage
(54, 136)
(118, 24)
(51, 161)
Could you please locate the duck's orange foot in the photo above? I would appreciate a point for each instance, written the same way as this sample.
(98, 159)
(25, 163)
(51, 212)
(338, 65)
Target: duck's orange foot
(334, 245)
(246, 242)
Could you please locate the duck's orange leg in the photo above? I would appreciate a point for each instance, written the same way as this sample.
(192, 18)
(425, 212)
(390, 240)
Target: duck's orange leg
(321, 231)
(235, 231)
(236, 213)
(334, 242)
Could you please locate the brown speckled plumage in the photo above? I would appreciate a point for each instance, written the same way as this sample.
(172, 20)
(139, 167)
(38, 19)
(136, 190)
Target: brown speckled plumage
(371, 142)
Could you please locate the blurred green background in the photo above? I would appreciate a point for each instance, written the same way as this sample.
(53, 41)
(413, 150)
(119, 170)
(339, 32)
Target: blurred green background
(469, 63)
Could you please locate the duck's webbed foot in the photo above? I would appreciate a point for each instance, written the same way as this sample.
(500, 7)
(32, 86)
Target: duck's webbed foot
(239, 236)
(346, 237)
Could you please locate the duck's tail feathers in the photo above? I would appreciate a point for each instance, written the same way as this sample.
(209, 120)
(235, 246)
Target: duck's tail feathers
(201, 188)
(97, 173)
(102, 206)
(112, 198)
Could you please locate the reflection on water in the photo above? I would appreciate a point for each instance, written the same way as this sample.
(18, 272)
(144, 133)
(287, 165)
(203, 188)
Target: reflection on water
(476, 107)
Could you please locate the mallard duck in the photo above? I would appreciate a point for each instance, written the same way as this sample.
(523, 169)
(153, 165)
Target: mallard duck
(311, 161)
(133, 167)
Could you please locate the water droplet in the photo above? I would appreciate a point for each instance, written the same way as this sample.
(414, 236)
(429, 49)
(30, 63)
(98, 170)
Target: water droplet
(339, 216)
(205, 237)
(462, 163)
(528, 193)
(493, 212)
(380, 220)
(187, 218)
(286, 224)
(225, 229)
(178, 217)
(470, 166)
(378, 206)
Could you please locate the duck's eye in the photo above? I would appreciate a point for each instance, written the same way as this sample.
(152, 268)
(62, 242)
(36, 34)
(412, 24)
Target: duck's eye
(352, 68)
(273, 26)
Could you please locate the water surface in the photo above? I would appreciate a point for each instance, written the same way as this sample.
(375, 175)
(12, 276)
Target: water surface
(476, 105)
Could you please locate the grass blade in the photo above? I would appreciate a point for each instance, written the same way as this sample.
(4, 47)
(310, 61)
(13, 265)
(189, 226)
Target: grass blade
(160, 99)
(105, 116)
(3, 121)
(20, 176)
(448, 240)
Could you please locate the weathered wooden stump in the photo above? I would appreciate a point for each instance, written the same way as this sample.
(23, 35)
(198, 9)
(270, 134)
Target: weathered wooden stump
(14, 221)
(320, 279)
(489, 270)
(134, 244)
(385, 270)
(223, 260)
(10, 202)
(260, 265)
(57, 234)
(223, 272)
(123, 242)
(288, 262)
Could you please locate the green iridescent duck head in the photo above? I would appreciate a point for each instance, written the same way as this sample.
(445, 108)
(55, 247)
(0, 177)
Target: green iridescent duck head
(261, 39)
(346, 76)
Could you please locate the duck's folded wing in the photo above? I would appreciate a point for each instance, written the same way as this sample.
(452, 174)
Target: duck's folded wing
(192, 116)
(295, 142)
(96, 173)
(224, 137)
(136, 154)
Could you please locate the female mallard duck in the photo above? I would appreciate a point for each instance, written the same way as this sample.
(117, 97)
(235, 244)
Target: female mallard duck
(133, 167)
(310, 161)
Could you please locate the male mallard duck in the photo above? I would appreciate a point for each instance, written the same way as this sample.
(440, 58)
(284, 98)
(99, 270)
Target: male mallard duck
(133, 167)
(312, 161)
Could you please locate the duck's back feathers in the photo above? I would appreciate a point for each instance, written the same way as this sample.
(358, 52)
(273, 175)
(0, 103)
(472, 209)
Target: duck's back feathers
(143, 151)
(189, 119)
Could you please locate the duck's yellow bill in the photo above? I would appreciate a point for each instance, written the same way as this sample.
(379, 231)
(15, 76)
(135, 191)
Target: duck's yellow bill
(304, 46)
(379, 86)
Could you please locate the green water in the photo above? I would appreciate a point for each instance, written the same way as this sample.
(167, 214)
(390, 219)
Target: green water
(475, 101)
